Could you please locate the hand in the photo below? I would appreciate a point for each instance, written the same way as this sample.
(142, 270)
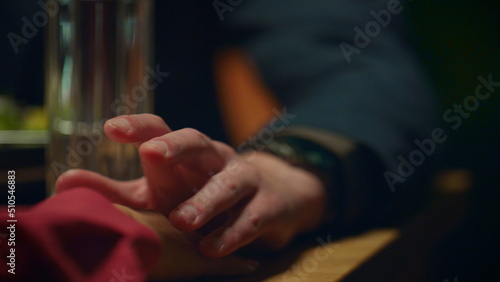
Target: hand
(180, 258)
(193, 179)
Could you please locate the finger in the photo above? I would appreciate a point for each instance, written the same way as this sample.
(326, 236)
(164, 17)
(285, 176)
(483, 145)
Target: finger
(131, 193)
(224, 190)
(180, 259)
(135, 128)
(187, 147)
(165, 159)
(244, 227)
(228, 239)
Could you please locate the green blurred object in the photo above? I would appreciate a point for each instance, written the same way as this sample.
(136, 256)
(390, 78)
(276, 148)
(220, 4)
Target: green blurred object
(10, 116)
(13, 117)
(34, 118)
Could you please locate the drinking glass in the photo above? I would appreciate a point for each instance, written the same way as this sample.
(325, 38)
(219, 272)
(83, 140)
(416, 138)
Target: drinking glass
(98, 66)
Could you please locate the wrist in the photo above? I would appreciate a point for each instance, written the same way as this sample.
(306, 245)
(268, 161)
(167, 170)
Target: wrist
(304, 191)
(316, 159)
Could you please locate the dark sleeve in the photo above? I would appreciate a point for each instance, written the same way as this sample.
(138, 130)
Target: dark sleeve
(376, 96)
(77, 235)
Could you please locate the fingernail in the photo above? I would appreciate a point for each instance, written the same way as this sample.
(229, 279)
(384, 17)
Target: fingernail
(121, 124)
(189, 213)
(159, 146)
(214, 242)
(252, 264)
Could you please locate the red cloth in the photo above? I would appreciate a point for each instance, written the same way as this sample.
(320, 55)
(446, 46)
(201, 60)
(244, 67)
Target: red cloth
(77, 236)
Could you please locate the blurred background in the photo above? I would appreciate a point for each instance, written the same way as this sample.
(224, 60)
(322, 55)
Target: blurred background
(457, 41)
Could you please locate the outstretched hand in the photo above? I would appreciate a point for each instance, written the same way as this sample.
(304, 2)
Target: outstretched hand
(192, 179)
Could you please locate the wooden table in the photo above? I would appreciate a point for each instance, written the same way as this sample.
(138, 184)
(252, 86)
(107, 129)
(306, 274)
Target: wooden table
(393, 254)
(323, 262)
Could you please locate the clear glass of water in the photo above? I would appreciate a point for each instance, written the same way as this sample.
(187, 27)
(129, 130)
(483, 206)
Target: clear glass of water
(98, 66)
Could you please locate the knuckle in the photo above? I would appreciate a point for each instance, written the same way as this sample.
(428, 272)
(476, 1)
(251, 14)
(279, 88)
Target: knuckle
(247, 229)
(190, 131)
(254, 220)
(232, 186)
(251, 225)
(249, 172)
(156, 118)
(228, 181)
(144, 115)
(252, 172)
(193, 134)
(224, 148)
(175, 146)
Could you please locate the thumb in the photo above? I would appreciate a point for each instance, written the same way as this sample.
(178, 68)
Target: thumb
(132, 193)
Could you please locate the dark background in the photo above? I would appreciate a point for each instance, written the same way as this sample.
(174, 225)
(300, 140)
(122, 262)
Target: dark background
(456, 41)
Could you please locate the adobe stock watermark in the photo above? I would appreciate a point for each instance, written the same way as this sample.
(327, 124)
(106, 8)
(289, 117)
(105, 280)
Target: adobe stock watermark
(31, 27)
(93, 137)
(126, 102)
(453, 116)
(267, 134)
(255, 142)
(302, 271)
(372, 29)
(222, 7)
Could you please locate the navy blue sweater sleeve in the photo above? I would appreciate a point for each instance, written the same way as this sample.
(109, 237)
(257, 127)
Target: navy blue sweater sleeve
(368, 87)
